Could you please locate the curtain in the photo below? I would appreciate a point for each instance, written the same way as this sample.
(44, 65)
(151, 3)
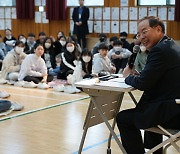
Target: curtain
(177, 10)
(25, 9)
(56, 9)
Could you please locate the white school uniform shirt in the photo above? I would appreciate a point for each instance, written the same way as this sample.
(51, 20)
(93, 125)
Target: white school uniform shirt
(32, 66)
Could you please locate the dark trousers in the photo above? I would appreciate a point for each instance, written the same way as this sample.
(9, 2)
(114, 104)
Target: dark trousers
(37, 79)
(120, 63)
(81, 36)
(131, 136)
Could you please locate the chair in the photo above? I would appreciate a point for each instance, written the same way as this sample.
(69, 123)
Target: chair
(173, 137)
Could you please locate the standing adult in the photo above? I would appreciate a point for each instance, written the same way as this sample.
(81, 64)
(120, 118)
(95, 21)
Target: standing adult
(80, 17)
(160, 82)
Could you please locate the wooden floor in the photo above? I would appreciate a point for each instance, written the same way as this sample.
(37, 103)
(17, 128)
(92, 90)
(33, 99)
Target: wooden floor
(51, 123)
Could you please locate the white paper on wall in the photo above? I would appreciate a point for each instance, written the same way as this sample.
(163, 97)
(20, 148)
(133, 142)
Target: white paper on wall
(165, 25)
(37, 2)
(133, 13)
(13, 13)
(8, 24)
(152, 11)
(124, 26)
(124, 13)
(142, 12)
(171, 13)
(98, 13)
(91, 13)
(106, 13)
(90, 26)
(8, 13)
(71, 12)
(71, 26)
(115, 13)
(2, 24)
(123, 2)
(97, 27)
(38, 17)
(115, 27)
(133, 27)
(162, 13)
(106, 26)
(44, 20)
(2, 13)
(43, 2)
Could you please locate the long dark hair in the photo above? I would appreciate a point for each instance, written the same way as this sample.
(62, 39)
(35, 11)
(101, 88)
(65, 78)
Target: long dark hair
(86, 52)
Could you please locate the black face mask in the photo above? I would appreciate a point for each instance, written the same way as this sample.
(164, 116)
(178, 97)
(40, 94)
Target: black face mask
(123, 39)
(102, 39)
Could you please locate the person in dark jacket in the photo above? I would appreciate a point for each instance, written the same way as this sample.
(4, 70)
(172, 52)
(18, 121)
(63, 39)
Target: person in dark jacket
(80, 17)
(49, 55)
(160, 82)
(68, 57)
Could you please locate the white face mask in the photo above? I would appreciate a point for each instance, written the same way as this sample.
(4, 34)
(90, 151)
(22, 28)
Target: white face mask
(19, 50)
(142, 48)
(62, 42)
(23, 40)
(70, 49)
(86, 59)
(117, 48)
(47, 45)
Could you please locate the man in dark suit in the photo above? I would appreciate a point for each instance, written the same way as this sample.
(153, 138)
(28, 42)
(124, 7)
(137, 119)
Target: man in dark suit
(80, 17)
(160, 82)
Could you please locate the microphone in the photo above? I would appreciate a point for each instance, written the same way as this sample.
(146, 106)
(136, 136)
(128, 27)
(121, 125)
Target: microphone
(132, 58)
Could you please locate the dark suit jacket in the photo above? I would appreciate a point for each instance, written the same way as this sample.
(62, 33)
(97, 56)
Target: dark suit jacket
(84, 19)
(160, 82)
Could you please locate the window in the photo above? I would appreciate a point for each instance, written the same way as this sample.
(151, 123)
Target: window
(156, 2)
(86, 2)
(7, 2)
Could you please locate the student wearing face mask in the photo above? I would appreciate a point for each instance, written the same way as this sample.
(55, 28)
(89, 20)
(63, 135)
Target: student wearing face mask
(49, 55)
(141, 59)
(22, 38)
(59, 44)
(12, 62)
(68, 57)
(123, 37)
(119, 56)
(86, 59)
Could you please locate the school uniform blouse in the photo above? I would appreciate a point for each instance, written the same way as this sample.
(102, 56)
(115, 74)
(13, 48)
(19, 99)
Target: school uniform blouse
(32, 66)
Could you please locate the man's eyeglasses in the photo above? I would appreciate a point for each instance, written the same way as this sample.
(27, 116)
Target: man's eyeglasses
(142, 33)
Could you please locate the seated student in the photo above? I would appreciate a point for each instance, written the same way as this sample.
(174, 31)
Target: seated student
(9, 40)
(42, 36)
(101, 63)
(49, 55)
(68, 57)
(123, 37)
(12, 62)
(29, 45)
(119, 56)
(60, 44)
(2, 51)
(34, 68)
(22, 38)
(141, 59)
(86, 59)
(111, 41)
(133, 43)
(102, 39)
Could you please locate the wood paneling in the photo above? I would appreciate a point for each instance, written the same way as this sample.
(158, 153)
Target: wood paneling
(51, 29)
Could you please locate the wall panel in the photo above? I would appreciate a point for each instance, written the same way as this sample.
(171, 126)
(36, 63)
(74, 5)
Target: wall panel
(52, 28)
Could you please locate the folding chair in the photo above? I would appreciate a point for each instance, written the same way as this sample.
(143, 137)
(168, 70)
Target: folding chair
(173, 137)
